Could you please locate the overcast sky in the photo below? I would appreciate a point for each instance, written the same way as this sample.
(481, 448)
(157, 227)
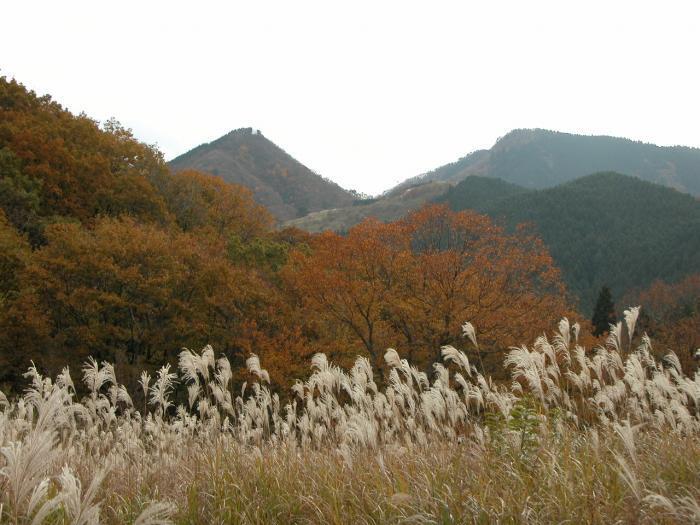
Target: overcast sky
(365, 93)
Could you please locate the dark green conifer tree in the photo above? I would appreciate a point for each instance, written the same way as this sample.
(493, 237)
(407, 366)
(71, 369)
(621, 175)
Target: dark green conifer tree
(604, 312)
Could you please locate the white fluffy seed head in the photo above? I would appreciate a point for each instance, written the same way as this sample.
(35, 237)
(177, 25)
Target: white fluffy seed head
(631, 316)
(469, 331)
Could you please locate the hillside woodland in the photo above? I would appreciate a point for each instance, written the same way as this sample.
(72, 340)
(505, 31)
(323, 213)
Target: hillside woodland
(602, 229)
(108, 253)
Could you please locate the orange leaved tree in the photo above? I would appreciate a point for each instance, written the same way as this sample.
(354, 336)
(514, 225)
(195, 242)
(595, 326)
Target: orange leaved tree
(413, 283)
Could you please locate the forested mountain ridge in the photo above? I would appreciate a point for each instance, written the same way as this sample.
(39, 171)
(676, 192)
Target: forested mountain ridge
(605, 228)
(538, 158)
(278, 181)
(533, 159)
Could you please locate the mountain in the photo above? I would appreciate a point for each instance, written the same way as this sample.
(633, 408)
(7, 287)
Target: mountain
(386, 208)
(533, 159)
(279, 182)
(538, 158)
(601, 229)
(474, 163)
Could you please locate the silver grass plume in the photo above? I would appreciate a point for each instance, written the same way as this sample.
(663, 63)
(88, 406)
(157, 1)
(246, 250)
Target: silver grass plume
(614, 339)
(145, 382)
(156, 513)
(319, 361)
(671, 360)
(631, 316)
(253, 365)
(684, 509)
(81, 508)
(391, 358)
(49, 506)
(162, 388)
(469, 331)
(189, 365)
(450, 353)
(207, 361)
(626, 433)
(64, 380)
(565, 332)
(26, 465)
(576, 329)
(95, 377)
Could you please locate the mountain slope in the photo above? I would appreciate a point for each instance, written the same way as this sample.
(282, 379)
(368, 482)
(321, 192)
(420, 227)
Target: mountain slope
(537, 158)
(474, 163)
(279, 182)
(601, 229)
(475, 192)
(386, 208)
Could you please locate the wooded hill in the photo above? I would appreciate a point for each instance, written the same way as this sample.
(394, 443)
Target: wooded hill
(284, 186)
(601, 229)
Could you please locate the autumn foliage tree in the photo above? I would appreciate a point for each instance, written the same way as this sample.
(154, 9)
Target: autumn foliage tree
(412, 283)
(464, 267)
(340, 284)
(205, 204)
(671, 316)
(136, 293)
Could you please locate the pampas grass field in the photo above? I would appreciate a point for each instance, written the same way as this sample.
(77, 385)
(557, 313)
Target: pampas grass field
(604, 435)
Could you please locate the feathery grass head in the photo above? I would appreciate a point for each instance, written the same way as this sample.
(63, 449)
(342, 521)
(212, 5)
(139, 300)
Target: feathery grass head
(95, 377)
(162, 388)
(469, 331)
(450, 353)
(391, 358)
(614, 339)
(156, 513)
(631, 315)
(253, 364)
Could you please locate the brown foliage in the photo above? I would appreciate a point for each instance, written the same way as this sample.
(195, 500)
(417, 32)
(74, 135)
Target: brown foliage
(204, 202)
(412, 284)
(83, 170)
(671, 316)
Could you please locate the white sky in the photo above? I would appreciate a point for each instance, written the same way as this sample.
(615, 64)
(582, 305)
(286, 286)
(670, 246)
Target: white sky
(365, 93)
